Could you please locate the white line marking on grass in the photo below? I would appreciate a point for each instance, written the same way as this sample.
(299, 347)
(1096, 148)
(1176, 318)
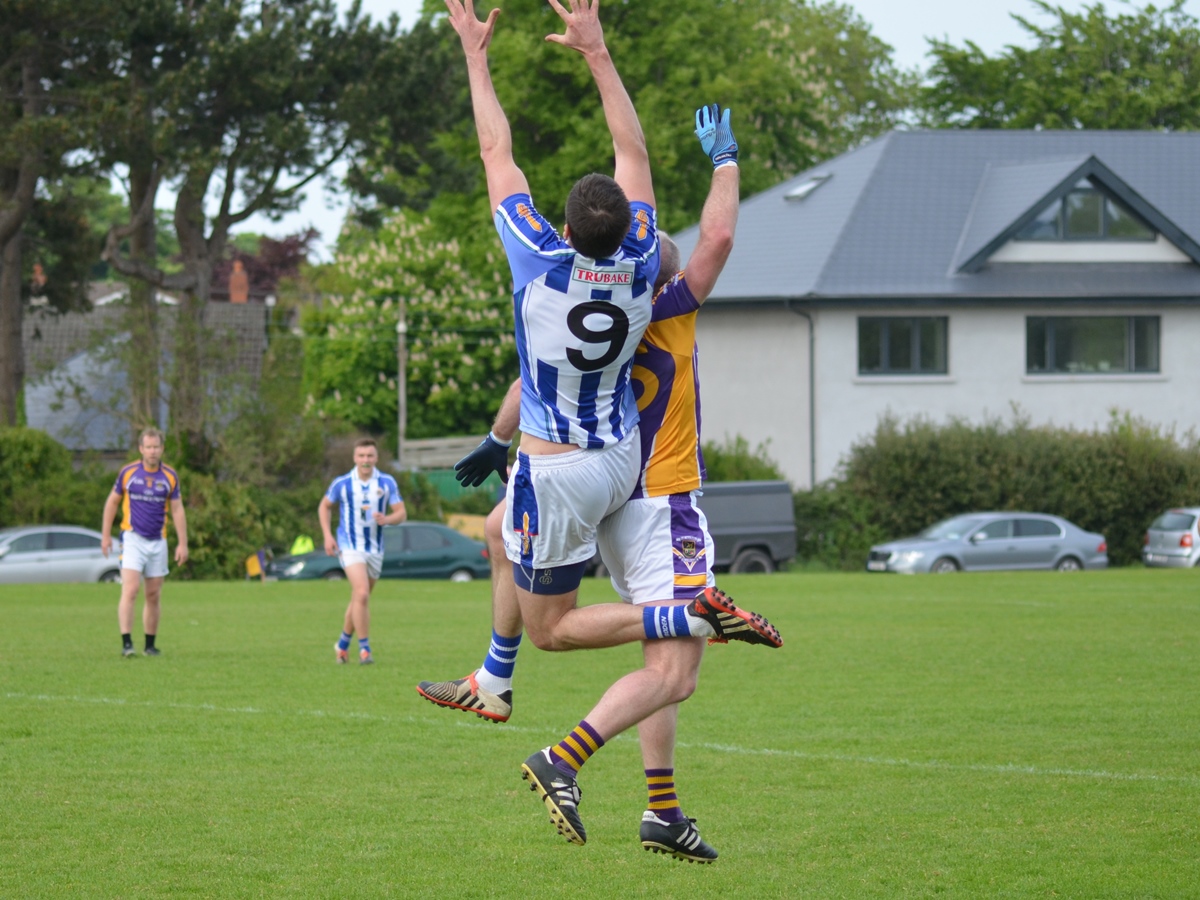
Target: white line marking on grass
(1005, 769)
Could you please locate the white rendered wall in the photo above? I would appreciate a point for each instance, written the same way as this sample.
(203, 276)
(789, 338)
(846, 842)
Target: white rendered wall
(987, 377)
(754, 382)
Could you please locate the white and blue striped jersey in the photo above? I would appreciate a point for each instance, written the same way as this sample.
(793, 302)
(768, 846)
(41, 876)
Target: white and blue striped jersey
(578, 324)
(357, 502)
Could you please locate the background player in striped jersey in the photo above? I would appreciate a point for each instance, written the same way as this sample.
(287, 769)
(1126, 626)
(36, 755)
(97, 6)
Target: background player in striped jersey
(366, 500)
(144, 491)
(656, 546)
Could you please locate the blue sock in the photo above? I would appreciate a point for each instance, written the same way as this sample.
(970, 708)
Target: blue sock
(364, 644)
(501, 657)
(496, 672)
(665, 622)
(344, 641)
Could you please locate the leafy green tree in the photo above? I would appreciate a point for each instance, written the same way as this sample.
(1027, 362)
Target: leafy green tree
(461, 354)
(804, 81)
(254, 110)
(49, 65)
(1086, 69)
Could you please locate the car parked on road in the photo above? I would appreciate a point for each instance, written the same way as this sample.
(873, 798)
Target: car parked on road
(55, 553)
(1173, 539)
(993, 540)
(410, 550)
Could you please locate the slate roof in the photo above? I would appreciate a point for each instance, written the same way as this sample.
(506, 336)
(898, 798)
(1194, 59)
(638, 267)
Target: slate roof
(899, 217)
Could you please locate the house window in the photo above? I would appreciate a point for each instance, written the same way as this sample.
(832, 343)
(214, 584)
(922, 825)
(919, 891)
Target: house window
(1087, 213)
(1091, 344)
(914, 345)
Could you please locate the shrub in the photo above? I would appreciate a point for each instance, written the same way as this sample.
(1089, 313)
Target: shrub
(907, 476)
(735, 461)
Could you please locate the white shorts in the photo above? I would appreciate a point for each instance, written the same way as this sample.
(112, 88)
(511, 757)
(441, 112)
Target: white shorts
(556, 502)
(658, 548)
(373, 561)
(140, 554)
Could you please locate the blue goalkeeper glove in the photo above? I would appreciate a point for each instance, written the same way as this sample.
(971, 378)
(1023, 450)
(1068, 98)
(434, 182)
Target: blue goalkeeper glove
(490, 456)
(716, 137)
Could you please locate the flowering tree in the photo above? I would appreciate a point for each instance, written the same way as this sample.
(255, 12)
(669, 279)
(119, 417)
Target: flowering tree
(461, 355)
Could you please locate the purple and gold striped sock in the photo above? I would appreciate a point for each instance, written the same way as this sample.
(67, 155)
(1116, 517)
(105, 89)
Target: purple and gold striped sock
(664, 803)
(569, 754)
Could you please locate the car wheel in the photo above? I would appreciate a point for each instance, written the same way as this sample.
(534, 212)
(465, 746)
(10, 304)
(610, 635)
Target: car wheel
(462, 575)
(113, 576)
(1068, 564)
(751, 561)
(943, 566)
(334, 575)
(601, 570)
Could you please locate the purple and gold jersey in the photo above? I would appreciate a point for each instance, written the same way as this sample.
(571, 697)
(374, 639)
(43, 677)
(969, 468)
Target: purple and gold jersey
(666, 383)
(578, 322)
(145, 498)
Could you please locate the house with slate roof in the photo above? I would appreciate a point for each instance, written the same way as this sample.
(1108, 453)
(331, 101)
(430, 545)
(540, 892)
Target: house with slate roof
(76, 392)
(958, 273)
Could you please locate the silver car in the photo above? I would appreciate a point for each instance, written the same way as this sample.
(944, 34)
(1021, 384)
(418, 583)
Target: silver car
(993, 540)
(55, 553)
(1173, 539)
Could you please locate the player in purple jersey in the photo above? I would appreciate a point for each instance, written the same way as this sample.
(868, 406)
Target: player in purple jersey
(671, 471)
(143, 492)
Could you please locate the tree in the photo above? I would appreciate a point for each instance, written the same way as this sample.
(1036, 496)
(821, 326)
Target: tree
(1137, 70)
(804, 81)
(253, 113)
(462, 356)
(47, 68)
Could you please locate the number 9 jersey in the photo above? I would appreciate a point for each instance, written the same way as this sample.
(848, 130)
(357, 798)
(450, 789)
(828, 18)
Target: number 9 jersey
(578, 323)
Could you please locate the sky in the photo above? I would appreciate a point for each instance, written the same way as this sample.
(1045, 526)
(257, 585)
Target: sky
(905, 26)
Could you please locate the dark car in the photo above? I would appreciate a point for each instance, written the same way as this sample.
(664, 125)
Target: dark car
(993, 540)
(411, 550)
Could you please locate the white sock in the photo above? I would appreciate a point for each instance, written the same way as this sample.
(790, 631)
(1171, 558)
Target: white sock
(490, 682)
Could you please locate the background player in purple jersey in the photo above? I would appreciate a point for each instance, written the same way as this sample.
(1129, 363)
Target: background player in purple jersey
(143, 492)
(640, 546)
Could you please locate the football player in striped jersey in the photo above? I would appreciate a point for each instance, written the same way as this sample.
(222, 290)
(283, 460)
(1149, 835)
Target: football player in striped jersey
(366, 500)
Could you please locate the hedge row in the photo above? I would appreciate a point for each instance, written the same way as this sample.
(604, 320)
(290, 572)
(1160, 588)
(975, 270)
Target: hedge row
(907, 476)
(227, 519)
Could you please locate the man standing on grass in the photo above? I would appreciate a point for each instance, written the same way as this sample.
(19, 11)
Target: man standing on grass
(143, 492)
(362, 498)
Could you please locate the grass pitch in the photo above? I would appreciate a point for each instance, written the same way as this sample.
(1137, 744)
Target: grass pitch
(972, 735)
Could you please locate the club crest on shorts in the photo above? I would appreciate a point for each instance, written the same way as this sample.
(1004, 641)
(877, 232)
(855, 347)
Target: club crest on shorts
(689, 552)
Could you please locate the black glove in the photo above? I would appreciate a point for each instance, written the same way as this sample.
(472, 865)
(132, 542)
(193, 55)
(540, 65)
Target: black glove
(490, 456)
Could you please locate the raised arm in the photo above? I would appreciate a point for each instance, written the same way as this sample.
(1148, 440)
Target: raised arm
(629, 144)
(718, 219)
(504, 178)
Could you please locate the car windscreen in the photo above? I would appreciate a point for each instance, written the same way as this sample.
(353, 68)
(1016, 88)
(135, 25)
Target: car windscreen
(1173, 521)
(950, 529)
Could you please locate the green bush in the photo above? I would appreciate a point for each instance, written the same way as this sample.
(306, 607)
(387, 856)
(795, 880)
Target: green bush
(907, 476)
(28, 457)
(735, 461)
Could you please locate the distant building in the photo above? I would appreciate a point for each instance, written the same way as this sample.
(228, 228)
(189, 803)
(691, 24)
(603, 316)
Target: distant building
(76, 392)
(958, 273)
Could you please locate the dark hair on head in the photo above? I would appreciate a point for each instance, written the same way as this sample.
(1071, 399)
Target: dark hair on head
(668, 260)
(598, 215)
(365, 442)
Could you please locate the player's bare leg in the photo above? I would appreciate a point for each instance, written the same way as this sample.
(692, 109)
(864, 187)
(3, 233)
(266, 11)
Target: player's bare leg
(664, 828)
(131, 580)
(151, 611)
(487, 691)
(358, 614)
